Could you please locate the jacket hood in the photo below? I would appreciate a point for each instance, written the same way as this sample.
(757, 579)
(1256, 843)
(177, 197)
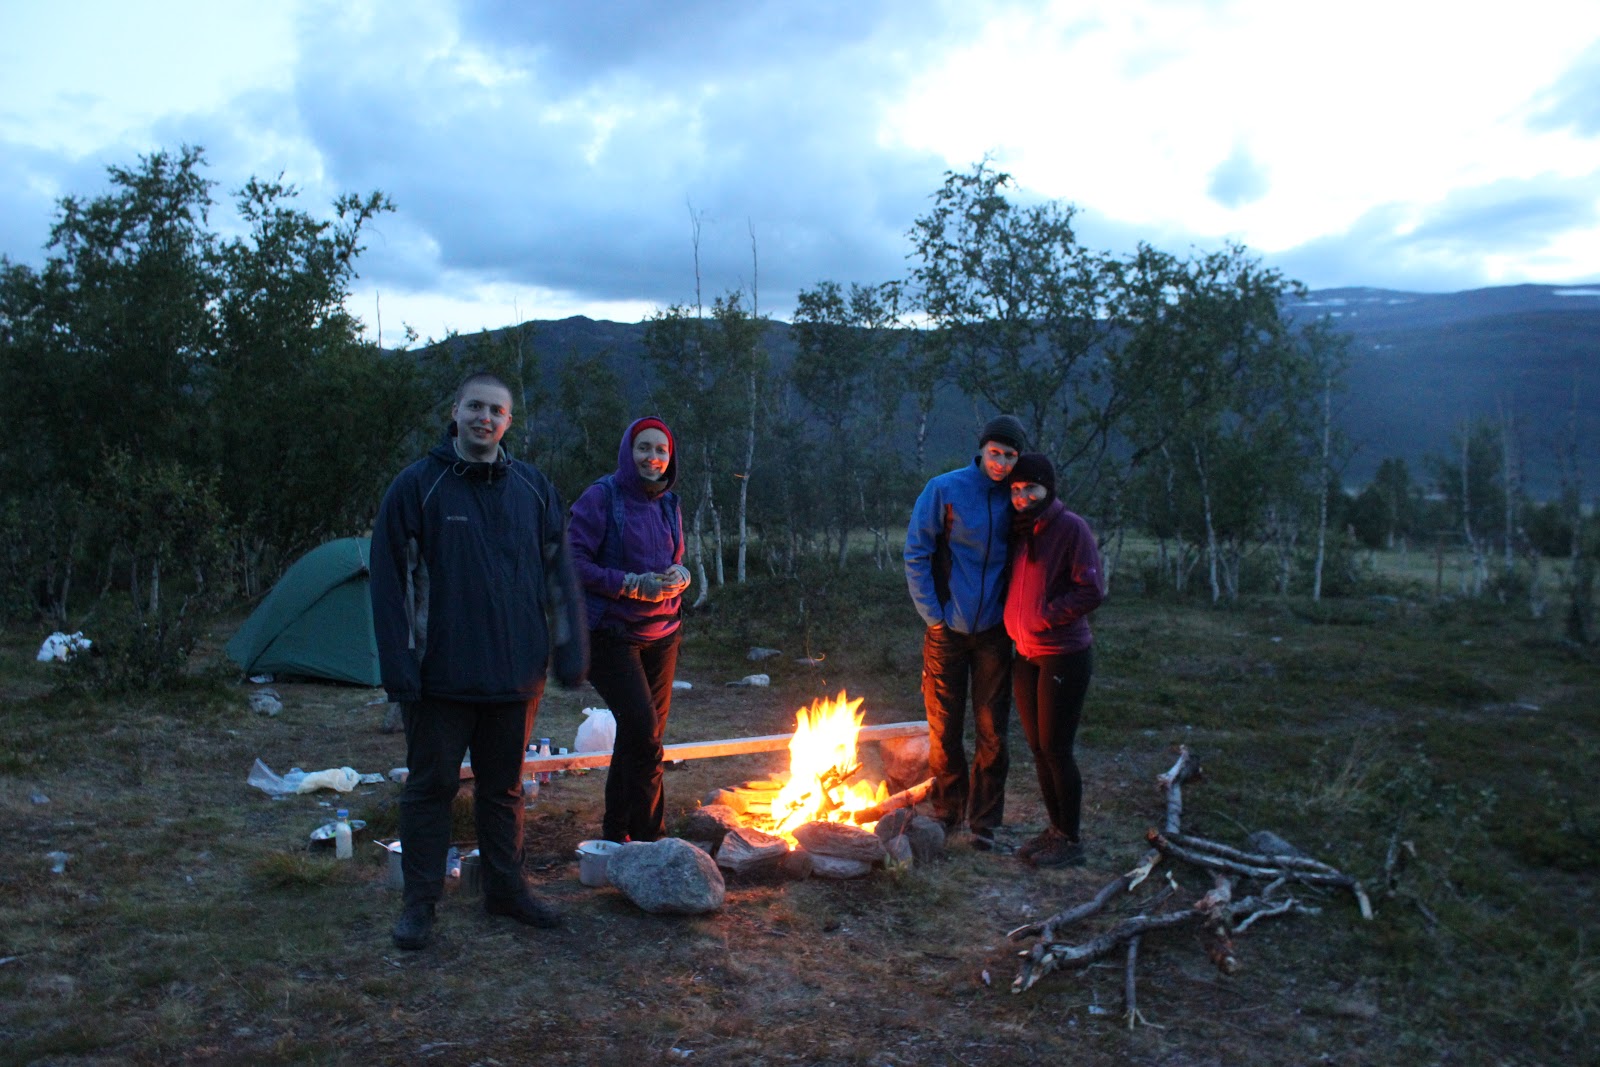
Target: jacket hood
(627, 473)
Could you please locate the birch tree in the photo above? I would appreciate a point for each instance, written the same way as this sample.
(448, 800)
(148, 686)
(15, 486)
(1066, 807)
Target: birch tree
(1013, 300)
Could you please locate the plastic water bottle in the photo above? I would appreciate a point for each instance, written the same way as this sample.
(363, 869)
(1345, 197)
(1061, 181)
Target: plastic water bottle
(342, 845)
(544, 750)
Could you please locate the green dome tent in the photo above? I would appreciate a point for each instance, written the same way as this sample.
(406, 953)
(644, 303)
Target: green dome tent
(317, 621)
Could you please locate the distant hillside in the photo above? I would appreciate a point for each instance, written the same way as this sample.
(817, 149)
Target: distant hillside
(1419, 364)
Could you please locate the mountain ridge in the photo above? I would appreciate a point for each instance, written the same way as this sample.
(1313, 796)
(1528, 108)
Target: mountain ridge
(1420, 365)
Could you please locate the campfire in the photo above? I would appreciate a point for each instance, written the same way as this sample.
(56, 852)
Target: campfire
(823, 816)
(822, 760)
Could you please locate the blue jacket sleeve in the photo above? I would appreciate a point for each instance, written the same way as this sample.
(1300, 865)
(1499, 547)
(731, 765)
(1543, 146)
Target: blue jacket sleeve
(922, 538)
(396, 550)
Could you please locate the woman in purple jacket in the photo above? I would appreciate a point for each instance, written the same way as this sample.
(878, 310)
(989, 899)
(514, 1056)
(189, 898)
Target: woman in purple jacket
(626, 532)
(1055, 584)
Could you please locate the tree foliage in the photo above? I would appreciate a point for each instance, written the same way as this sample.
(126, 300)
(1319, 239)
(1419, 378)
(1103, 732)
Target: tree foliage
(189, 412)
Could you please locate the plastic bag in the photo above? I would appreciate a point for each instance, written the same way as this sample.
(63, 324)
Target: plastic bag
(598, 733)
(342, 779)
(62, 647)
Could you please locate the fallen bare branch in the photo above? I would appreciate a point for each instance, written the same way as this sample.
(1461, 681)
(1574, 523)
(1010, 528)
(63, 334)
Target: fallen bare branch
(1219, 863)
(1077, 913)
(1304, 863)
(1187, 768)
(1046, 957)
(1130, 1001)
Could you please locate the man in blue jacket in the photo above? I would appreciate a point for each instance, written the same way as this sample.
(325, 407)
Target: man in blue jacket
(472, 595)
(956, 565)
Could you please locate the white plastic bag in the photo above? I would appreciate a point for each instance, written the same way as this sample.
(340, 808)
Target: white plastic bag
(598, 733)
(342, 779)
(62, 647)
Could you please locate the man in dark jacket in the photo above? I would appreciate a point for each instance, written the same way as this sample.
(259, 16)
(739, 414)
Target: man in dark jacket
(955, 566)
(473, 595)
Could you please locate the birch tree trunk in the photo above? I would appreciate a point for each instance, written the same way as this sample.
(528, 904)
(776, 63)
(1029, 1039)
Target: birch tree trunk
(1211, 530)
(700, 551)
(1474, 550)
(1322, 494)
(1509, 481)
(744, 479)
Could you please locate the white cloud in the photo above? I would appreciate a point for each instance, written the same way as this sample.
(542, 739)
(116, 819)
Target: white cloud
(549, 155)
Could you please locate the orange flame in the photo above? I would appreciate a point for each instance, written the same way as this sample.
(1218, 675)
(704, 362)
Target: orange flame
(822, 755)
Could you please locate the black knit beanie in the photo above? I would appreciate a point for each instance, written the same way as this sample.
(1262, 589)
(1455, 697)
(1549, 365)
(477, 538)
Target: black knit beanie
(1035, 467)
(1007, 429)
(1032, 467)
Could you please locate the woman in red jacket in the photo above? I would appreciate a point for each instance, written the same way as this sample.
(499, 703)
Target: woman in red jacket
(1055, 584)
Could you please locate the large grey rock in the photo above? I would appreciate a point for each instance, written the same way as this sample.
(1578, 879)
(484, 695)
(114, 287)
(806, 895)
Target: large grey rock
(836, 867)
(667, 877)
(841, 841)
(745, 851)
(894, 824)
(797, 865)
(710, 823)
(927, 838)
(905, 761)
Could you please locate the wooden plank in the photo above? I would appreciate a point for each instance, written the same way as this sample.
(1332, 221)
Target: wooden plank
(734, 746)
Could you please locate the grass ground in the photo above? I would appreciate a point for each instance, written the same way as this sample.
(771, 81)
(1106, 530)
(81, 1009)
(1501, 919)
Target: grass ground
(193, 924)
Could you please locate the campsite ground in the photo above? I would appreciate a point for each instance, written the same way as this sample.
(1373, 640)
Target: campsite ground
(193, 924)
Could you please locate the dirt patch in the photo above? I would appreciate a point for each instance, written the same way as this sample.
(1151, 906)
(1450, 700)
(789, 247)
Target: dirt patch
(194, 924)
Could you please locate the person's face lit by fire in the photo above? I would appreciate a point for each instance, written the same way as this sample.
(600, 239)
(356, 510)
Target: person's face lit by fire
(651, 454)
(997, 459)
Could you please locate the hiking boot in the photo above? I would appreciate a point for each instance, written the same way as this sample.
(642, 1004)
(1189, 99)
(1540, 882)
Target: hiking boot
(1059, 853)
(1038, 843)
(525, 908)
(414, 928)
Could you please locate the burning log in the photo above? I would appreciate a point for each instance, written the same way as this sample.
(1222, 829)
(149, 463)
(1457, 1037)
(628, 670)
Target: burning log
(906, 798)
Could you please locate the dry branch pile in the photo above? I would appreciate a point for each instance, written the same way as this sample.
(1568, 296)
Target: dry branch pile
(1220, 913)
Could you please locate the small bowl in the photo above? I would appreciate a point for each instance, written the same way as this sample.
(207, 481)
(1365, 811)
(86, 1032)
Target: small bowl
(323, 835)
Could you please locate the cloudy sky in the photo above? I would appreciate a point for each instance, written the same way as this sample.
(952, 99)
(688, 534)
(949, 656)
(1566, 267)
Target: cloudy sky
(557, 157)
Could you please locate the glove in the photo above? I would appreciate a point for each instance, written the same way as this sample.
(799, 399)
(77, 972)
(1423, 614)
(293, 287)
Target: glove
(677, 579)
(646, 587)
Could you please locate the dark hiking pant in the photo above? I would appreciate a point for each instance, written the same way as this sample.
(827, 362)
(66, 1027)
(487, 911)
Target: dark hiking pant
(951, 662)
(635, 680)
(438, 734)
(1050, 692)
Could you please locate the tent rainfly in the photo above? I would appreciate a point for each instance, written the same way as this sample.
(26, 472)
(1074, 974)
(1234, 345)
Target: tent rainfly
(317, 621)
